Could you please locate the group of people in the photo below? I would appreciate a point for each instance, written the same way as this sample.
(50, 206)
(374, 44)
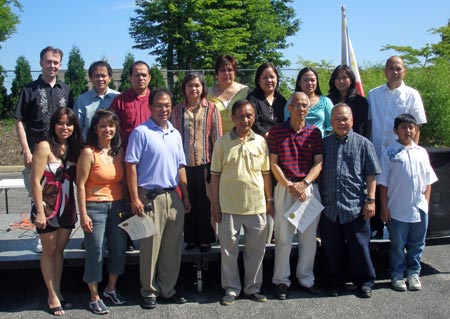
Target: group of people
(226, 158)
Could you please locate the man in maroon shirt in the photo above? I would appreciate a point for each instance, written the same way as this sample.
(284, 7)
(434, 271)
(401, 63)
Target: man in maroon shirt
(132, 105)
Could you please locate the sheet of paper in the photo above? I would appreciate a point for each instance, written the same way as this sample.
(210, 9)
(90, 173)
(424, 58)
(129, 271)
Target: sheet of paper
(138, 227)
(302, 214)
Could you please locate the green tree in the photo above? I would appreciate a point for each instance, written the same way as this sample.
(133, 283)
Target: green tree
(157, 78)
(22, 73)
(75, 76)
(429, 53)
(3, 95)
(112, 85)
(9, 20)
(442, 49)
(433, 82)
(190, 34)
(125, 83)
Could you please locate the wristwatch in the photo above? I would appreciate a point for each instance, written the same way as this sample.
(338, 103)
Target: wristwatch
(307, 181)
(370, 200)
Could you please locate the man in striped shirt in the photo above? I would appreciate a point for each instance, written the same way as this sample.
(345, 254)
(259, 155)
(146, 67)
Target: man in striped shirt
(295, 150)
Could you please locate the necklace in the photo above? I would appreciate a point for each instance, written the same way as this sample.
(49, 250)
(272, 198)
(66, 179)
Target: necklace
(106, 158)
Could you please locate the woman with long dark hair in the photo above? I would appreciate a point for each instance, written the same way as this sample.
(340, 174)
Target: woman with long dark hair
(319, 113)
(100, 201)
(267, 99)
(343, 90)
(53, 211)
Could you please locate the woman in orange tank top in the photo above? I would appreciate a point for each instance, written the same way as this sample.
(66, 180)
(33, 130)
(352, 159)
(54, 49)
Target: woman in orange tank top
(100, 175)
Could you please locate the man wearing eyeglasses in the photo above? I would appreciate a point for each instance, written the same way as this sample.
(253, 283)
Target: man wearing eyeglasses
(296, 161)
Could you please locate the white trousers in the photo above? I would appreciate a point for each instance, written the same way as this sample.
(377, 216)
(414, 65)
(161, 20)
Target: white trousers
(284, 232)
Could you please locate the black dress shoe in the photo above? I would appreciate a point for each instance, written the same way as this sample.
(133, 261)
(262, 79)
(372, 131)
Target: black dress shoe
(365, 292)
(313, 290)
(148, 303)
(176, 298)
(204, 248)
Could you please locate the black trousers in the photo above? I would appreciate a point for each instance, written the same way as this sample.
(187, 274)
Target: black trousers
(197, 223)
(346, 252)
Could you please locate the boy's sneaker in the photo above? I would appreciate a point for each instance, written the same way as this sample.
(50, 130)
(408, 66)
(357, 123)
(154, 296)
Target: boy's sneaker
(398, 284)
(114, 296)
(98, 307)
(414, 282)
(37, 244)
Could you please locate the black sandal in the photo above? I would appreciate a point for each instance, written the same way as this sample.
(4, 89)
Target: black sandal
(66, 303)
(54, 310)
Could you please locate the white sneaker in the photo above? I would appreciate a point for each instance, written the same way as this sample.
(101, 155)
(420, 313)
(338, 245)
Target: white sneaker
(398, 284)
(37, 244)
(414, 282)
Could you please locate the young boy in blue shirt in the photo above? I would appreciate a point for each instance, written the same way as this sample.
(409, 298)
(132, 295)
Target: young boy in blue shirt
(405, 188)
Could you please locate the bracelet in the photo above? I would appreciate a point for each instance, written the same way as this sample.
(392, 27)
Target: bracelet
(370, 200)
(270, 200)
(307, 181)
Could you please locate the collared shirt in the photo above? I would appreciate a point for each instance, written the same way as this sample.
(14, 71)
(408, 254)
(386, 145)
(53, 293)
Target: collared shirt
(266, 115)
(319, 114)
(241, 165)
(37, 103)
(385, 105)
(157, 153)
(347, 162)
(132, 110)
(295, 150)
(88, 103)
(199, 129)
(406, 173)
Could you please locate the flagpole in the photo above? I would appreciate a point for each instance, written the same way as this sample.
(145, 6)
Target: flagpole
(348, 55)
(344, 53)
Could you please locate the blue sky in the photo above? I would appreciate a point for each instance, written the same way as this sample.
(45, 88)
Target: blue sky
(100, 29)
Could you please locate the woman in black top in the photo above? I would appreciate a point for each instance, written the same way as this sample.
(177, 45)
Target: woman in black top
(268, 102)
(343, 89)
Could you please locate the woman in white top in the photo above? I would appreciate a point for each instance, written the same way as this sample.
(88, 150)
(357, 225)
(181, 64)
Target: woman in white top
(226, 91)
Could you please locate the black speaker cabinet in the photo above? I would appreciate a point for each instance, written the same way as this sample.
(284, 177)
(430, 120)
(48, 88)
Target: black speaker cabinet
(439, 213)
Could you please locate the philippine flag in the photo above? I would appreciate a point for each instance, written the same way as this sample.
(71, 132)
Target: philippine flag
(348, 55)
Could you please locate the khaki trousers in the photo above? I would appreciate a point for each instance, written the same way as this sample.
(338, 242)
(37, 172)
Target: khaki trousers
(255, 246)
(160, 254)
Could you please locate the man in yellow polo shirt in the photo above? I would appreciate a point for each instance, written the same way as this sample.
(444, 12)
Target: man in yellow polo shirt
(241, 197)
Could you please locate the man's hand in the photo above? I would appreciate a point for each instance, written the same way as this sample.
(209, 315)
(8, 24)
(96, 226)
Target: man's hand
(369, 210)
(137, 207)
(385, 215)
(216, 213)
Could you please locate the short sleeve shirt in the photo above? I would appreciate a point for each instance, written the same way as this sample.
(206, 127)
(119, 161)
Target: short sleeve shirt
(385, 105)
(157, 153)
(37, 103)
(295, 150)
(406, 173)
(241, 166)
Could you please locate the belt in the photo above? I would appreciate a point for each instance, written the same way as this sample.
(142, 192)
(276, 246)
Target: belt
(152, 193)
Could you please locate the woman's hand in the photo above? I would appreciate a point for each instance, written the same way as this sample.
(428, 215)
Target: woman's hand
(86, 224)
(40, 222)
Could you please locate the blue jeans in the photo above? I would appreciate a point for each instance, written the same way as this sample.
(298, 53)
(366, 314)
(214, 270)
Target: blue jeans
(412, 237)
(105, 217)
